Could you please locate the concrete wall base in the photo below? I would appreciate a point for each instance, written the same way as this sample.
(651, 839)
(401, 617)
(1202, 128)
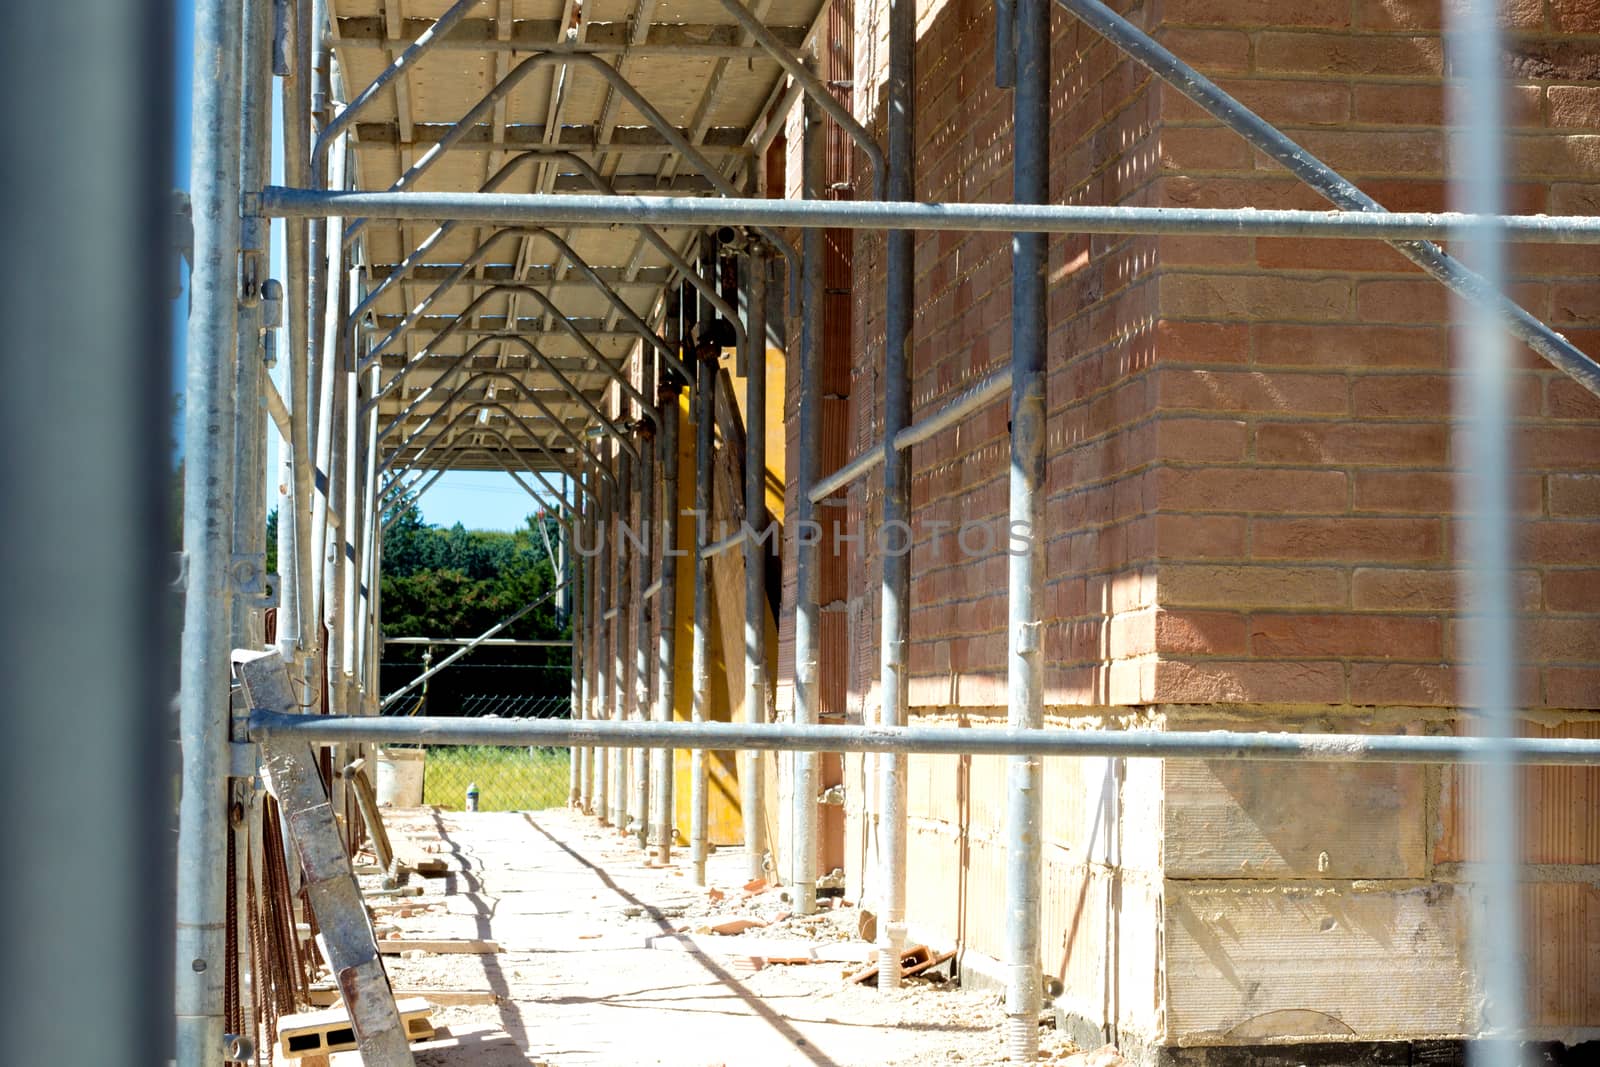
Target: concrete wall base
(1326, 1053)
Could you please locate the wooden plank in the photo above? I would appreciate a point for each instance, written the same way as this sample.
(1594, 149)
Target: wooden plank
(324, 995)
(395, 946)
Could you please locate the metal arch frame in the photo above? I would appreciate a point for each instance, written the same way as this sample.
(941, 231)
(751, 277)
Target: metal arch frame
(527, 394)
(618, 83)
(522, 424)
(600, 185)
(459, 276)
(533, 352)
(599, 358)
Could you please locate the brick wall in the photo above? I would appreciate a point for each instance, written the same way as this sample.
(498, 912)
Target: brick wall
(1250, 520)
(1306, 539)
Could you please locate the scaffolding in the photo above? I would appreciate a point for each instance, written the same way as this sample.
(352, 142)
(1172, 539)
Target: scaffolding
(640, 252)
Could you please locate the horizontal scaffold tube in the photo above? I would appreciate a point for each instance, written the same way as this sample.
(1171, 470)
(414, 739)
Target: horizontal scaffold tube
(788, 737)
(576, 210)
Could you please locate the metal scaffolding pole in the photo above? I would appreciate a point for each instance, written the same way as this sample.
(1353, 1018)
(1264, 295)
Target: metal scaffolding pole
(621, 592)
(755, 563)
(643, 608)
(603, 664)
(1440, 749)
(1485, 484)
(704, 418)
(85, 741)
(803, 788)
(250, 429)
(591, 624)
(895, 594)
(298, 619)
(667, 605)
(1025, 571)
(207, 523)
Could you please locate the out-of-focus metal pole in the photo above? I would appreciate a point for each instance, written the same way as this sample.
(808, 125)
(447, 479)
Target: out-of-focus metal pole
(85, 740)
(1484, 478)
(207, 525)
(1025, 536)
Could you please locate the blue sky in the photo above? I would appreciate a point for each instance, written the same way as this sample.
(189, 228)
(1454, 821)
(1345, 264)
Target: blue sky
(479, 501)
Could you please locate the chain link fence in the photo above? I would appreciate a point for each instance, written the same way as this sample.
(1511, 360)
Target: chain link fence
(504, 779)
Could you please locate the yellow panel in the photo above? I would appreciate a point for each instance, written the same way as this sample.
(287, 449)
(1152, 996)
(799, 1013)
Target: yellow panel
(724, 823)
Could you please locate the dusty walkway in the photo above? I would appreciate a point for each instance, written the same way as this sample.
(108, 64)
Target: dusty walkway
(599, 962)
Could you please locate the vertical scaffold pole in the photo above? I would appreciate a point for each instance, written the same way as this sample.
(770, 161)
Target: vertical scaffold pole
(602, 646)
(894, 540)
(207, 528)
(622, 557)
(1484, 486)
(755, 563)
(644, 609)
(1024, 540)
(704, 416)
(667, 606)
(806, 532)
(86, 973)
(580, 663)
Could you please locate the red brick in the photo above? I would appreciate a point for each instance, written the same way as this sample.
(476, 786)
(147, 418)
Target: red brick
(1559, 543)
(1293, 253)
(1202, 342)
(1200, 536)
(1404, 589)
(1346, 539)
(1574, 16)
(1251, 391)
(1198, 149)
(1329, 13)
(1572, 590)
(1423, 492)
(1381, 444)
(1242, 681)
(1419, 684)
(1349, 346)
(1252, 489)
(1363, 636)
(1566, 399)
(1326, 53)
(1557, 447)
(1561, 640)
(1208, 50)
(1254, 296)
(1574, 495)
(1425, 105)
(1200, 440)
(1183, 251)
(1572, 687)
(1427, 14)
(1354, 152)
(1250, 585)
(1288, 103)
(1200, 633)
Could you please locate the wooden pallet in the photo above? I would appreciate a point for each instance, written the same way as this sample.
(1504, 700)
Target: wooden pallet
(318, 1033)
